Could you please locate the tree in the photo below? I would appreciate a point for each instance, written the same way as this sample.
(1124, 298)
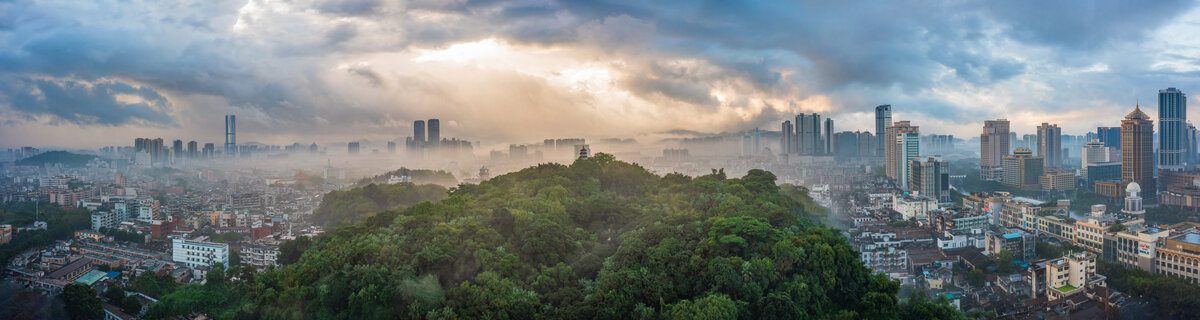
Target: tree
(710, 307)
(1169, 297)
(81, 302)
(290, 251)
(600, 238)
(235, 258)
(917, 306)
(976, 278)
(154, 285)
(114, 294)
(131, 305)
(1004, 261)
(1117, 227)
(215, 276)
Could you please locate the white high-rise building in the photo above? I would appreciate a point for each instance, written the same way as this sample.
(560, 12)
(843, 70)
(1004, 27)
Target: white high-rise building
(993, 146)
(104, 219)
(908, 149)
(196, 253)
(1094, 152)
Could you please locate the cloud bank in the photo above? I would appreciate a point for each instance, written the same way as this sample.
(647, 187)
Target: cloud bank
(514, 71)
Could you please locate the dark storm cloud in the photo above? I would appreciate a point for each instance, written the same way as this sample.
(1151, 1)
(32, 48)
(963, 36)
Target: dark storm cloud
(672, 89)
(85, 104)
(341, 33)
(371, 76)
(893, 51)
(203, 65)
(348, 7)
(1085, 25)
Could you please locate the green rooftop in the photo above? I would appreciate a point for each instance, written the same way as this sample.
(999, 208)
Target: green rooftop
(91, 277)
(1065, 289)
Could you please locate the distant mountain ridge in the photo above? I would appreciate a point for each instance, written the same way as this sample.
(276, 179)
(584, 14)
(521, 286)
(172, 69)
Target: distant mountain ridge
(63, 157)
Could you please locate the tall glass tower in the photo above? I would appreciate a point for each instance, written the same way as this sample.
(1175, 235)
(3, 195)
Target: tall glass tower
(231, 149)
(419, 133)
(1172, 129)
(883, 119)
(435, 132)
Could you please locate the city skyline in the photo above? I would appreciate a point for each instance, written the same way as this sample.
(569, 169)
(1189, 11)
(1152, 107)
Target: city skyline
(608, 159)
(621, 71)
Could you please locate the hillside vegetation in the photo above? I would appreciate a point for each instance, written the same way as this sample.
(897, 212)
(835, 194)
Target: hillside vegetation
(419, 176)
(599, 239)
(67, 159)
(353, 205)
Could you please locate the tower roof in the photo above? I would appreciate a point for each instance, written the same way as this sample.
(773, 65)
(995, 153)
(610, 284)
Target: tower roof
(1137, 114)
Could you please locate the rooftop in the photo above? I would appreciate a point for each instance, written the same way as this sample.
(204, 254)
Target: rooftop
(91, 277)
(1065, 289)
(68, 269)
(1190, 238)
(1028, 201)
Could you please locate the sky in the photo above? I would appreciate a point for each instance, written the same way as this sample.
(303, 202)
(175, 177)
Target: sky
(84, 74)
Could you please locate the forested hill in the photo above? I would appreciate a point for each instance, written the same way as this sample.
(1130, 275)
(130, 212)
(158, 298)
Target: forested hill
(419, 176)
(351, 206)
(599, 239)
(67, 159)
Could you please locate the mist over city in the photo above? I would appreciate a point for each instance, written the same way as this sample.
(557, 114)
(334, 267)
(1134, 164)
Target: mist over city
(561, 159)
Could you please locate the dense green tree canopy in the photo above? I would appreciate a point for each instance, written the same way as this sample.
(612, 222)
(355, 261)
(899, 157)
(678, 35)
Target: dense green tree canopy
(64, 158)
(351, 206)
(1169, 297)
(61, 225)
(597, 239)
(418, 176)
(81, 302)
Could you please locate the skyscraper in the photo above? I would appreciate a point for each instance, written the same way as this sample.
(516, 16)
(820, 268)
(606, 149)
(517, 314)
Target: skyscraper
(1137, 151)
(814, 134)
(1109, 136)
(903, 141)
(391, 145)
(177, 149)
(352, 148)
(808, 130)
(866, 144)
(191, 150)
(847, 144)
(1049, 144)
(747, 144)
(827, 137)
(1192, 137)
(993, 146)
(435, 133)
(231, 136)
(757, 146)
(1172, 115)
(908, 148)
(786, 146)
(1022, 169)
(930, 178)
(209, 150)
(883, 119)
(158, 154)
(797, 142)
(418, 134)
(1095, 152)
